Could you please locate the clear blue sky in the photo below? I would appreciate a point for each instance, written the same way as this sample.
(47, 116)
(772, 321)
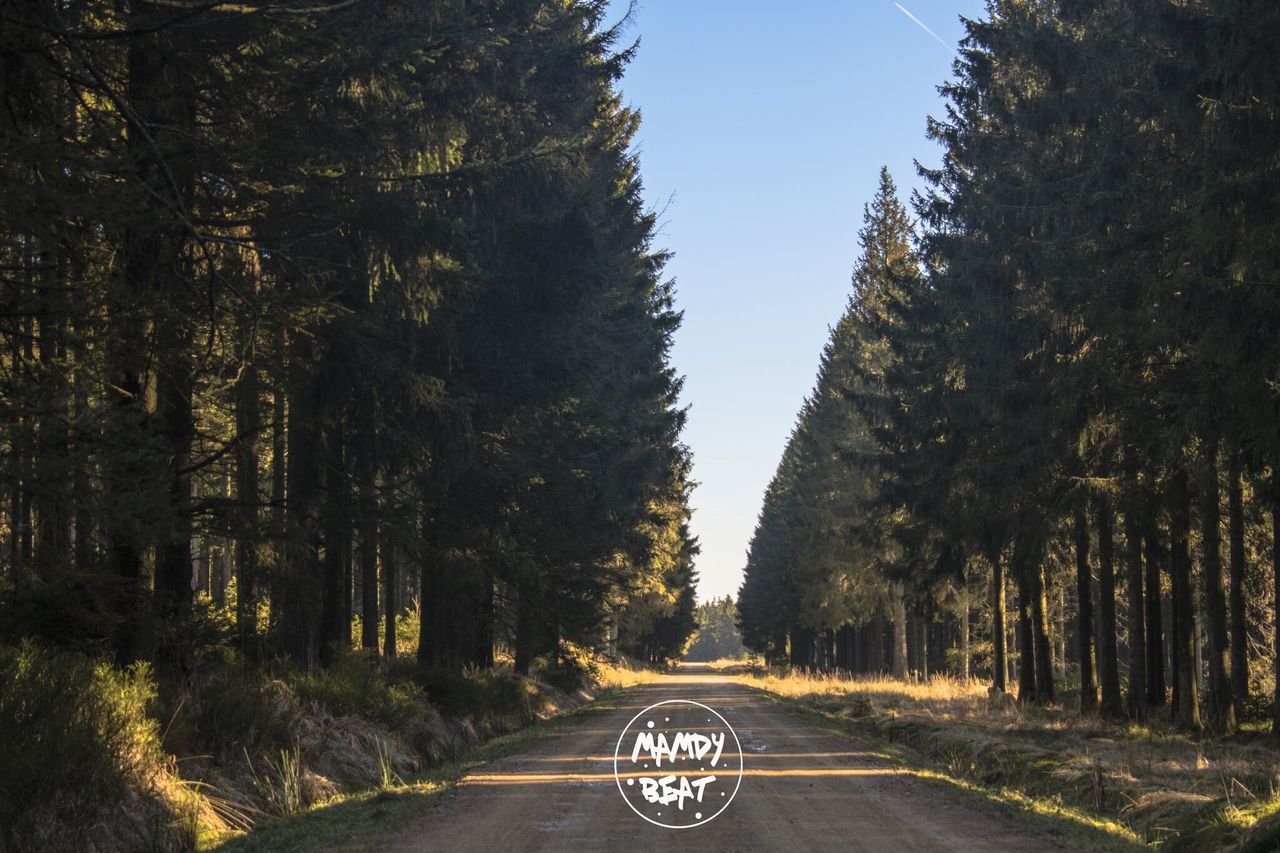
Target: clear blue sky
(764, 128)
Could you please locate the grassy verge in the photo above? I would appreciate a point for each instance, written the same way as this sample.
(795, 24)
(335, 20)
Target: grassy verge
(1074, 827)
(1097, 784)
(94, 757)
(369, 747)
(361, 819)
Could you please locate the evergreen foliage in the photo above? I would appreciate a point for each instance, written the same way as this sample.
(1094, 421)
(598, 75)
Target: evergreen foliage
(717, 636)
(1069, 361)
(316, 312)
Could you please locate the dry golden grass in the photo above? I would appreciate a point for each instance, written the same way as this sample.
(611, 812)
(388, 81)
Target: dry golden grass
(730, 664)
(940, 697)
(1150, 776)
(620, 674)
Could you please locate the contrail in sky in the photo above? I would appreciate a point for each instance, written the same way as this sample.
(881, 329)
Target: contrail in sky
(919, 23)
(721, 511)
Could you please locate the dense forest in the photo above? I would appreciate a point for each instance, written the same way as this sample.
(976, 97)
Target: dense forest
(314, 312)
(717, 636)
(330, 332)
(1043, 446)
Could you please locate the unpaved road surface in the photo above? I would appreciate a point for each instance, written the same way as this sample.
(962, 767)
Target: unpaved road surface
(802, 789)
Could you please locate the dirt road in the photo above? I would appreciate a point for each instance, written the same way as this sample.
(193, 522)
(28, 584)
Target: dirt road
(801, 789)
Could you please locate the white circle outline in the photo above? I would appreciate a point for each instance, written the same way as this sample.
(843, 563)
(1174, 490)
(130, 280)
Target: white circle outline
(741, 762)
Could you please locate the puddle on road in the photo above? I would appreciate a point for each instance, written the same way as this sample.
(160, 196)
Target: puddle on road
(559, 824)
(751, 743)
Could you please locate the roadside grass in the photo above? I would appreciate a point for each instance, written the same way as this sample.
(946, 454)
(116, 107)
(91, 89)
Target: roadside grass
(94, 757)
(81, 760)
(941, 697)
(1097, 782)
(499, 714)
(359, 820)
(730, 665)
(620, 675)
(1075, 827)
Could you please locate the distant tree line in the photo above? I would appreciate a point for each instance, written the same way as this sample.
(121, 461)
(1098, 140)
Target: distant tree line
(309, 310)
(717, 636)
(1044, 434)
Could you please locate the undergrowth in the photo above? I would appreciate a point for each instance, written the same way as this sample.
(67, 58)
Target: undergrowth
(95, 758)
(79, 748)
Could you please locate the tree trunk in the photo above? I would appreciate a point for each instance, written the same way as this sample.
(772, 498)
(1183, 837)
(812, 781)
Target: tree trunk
(1275, 590)
(999, 653)
(390, 600)
(16, 512)
(912, 643)
(963, 617)
(51, 516)
(296, 591)
(1037, 655)
(938, 639)
(481, 651)
(1173, 668)
(801, 647)
(1137, 698)
(875, 645)
(279, 519)
(247, 536)
(1026, 641)
(126, 477)
(525, 629)
(899, 632)
(164, 110)
(1186, 712)
(174, 384)
(1060, 638)
(336, 593)
(1084, 618)
(1108, 664)
(1040, 633)
(1011, 643)
(1239, 618)
(922, 644)
(368, 538)
(1155, 623)
(85, 548)
(1221, 717)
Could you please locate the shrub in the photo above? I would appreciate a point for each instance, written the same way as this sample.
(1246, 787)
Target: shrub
(74, 737)
(235, 711)
(356, 686)
(567, 673)
(481, 694)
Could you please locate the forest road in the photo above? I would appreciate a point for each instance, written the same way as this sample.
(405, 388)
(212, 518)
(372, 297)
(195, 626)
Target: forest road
(801, 789)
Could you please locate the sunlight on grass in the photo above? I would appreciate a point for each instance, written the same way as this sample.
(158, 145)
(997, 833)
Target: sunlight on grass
(1141, 782)
(940, 696)
(369, 813)
(619, 675)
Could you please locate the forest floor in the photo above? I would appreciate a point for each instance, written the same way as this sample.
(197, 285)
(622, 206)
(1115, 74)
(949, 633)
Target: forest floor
(1134, 783)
